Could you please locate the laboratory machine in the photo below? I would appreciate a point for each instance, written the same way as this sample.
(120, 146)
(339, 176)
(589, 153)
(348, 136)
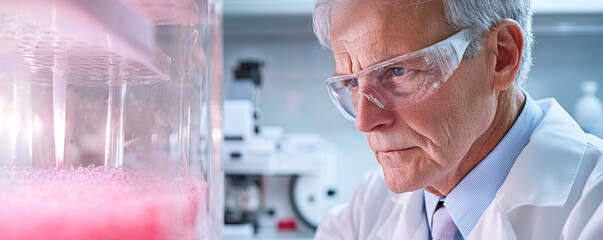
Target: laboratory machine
(110, 119)
(278, 185)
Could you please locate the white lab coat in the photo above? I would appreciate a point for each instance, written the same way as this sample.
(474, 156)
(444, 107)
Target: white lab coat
(553, 191)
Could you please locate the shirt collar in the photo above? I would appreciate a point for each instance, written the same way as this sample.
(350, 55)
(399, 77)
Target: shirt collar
(470, 198)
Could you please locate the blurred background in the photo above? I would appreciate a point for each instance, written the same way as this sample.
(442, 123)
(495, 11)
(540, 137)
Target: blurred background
(273, 39)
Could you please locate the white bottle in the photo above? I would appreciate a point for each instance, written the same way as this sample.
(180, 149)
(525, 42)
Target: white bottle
(589, 110)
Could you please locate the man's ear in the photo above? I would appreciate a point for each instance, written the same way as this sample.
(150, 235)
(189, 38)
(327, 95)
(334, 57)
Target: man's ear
(505, 47)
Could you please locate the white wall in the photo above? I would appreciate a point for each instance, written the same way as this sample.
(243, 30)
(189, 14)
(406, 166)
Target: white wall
(562, 63)
(568, 50)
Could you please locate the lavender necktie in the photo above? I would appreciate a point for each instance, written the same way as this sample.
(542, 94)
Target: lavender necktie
(443, 227)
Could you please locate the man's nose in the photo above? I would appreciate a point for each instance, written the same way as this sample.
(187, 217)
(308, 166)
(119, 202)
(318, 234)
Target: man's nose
(370, 113)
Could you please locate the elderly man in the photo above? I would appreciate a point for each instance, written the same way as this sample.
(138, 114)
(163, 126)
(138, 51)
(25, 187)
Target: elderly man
(465, 153)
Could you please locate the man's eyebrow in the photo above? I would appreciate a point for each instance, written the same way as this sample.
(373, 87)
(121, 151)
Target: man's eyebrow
(407, 3)
(335, 74)
(416, 2)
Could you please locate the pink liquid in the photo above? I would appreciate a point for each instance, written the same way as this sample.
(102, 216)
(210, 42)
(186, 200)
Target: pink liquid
(98, 204)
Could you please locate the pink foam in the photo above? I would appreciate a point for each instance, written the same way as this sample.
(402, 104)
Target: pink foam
(98, 204)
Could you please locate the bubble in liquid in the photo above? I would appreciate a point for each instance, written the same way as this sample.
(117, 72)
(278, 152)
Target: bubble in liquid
(97, 203)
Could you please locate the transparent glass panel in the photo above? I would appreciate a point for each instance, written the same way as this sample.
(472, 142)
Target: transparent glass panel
(109, 119)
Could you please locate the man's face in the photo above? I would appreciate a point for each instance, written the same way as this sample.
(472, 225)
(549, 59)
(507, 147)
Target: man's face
(422, 145)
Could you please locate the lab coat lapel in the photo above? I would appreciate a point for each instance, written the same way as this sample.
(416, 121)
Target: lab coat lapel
(542, 175)
(494, 225)
(409, 218)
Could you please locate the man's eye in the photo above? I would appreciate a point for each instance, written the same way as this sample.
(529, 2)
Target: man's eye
(398, 71)
(351, 83)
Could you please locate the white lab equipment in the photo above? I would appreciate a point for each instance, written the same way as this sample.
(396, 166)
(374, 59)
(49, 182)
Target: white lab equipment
(274, 180)
(110, 119)
(589, 110)
(239, 119)
(296, 175)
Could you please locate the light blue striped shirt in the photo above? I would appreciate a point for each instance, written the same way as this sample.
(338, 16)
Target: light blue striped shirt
(470, 198)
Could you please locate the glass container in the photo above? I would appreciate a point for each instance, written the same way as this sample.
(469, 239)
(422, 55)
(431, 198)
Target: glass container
(110, 119)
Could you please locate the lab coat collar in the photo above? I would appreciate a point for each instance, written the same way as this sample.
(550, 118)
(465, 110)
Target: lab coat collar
(542, 175)
(546, 169)
(399, 198)
(411, 222)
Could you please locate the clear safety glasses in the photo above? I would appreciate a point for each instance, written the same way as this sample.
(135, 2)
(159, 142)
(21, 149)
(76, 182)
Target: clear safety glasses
(401, 81)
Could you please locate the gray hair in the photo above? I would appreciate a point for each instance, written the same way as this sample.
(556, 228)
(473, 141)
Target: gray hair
(477, 15)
